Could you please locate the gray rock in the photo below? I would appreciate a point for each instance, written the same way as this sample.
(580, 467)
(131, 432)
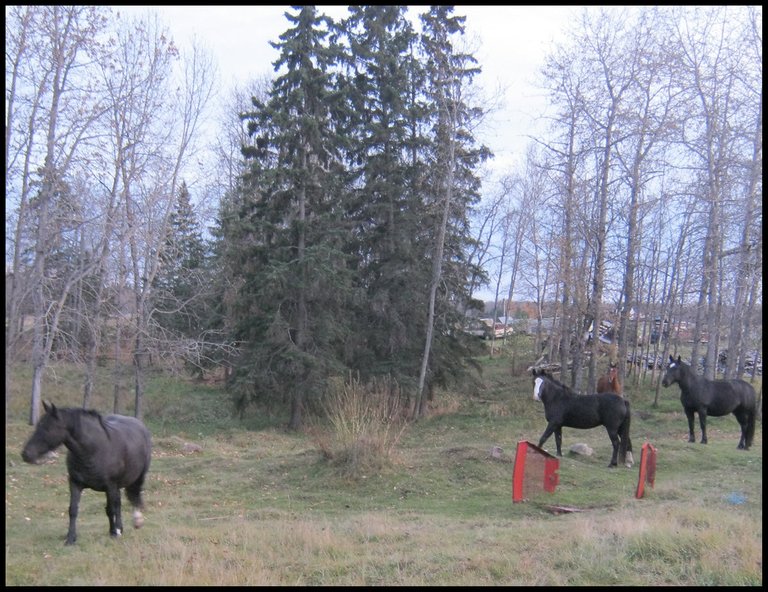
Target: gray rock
(581, 449)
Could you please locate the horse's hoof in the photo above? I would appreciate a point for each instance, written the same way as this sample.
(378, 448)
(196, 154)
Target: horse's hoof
(116, 534)
(138, 520)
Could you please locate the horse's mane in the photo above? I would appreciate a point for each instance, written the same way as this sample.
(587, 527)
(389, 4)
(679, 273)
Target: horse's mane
(77, 414)
(687, 368)
(548, 376)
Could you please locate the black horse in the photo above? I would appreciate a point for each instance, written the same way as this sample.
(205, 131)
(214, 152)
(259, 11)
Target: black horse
(105, 454)
(713, 397)
(564, 407)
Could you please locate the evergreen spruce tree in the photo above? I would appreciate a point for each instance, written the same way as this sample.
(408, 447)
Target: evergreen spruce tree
(182, 292)
(385, 208)
(288, 235)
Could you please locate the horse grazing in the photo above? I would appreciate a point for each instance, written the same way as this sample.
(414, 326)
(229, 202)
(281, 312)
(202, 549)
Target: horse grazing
(609, 382)
(564, 407)
(713, 397)
(104, 454)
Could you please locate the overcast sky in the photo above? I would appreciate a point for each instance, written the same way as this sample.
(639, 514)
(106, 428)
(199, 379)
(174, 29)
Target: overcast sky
(510, 44)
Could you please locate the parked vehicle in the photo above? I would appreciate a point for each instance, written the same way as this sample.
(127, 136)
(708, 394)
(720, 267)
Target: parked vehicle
(487, 329)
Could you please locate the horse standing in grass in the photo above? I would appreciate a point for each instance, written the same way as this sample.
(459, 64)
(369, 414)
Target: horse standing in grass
(104, 454)
(564, 407)
(713, 397)
(609, 382)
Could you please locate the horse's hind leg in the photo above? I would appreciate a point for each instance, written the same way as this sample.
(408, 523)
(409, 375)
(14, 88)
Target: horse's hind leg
(133, 492)
(113, 511)
(743, 419)
(615, 455)
(559, 441)
(703, 423)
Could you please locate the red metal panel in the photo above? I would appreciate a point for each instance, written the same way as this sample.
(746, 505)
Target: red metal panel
(647, 473)
(535, 470)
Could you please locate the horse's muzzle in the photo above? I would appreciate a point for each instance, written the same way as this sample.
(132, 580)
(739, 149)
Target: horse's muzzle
(35, 457)
(27, 457)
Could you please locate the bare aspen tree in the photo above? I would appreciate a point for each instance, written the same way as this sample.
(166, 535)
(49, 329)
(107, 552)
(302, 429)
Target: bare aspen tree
(614, 66)
(565, 79)
(748, 254)
(49, 64)
(518, 217)
(712, 64)
(164, 126)
(20, 24)
(536, 243)
(646, 127)
(450, 72)
(487, 218)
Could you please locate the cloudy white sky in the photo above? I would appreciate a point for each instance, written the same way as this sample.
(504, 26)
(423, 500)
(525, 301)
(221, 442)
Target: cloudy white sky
(510, 45)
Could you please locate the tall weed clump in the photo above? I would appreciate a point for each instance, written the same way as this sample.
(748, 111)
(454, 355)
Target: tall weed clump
(363, 424)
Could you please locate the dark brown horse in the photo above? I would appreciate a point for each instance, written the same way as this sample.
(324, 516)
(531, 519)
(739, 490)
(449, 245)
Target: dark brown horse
(104, 454)
(565, 408)
(609, 382)
(713, 397)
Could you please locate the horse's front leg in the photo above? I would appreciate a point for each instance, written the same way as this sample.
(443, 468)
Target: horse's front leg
(75, 491)
(703, 424)
(545, 436)
(559, 440)
(113, 511)
(689, 415)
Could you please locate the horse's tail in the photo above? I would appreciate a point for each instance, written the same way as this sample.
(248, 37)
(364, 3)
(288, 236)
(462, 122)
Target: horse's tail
(625, 447)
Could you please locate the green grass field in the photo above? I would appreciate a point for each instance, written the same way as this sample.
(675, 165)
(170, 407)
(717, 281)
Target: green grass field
(257, 505)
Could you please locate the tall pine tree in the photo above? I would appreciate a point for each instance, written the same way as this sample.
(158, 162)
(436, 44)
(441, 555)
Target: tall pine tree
(385, 208)
(288, 236)
(182, 293)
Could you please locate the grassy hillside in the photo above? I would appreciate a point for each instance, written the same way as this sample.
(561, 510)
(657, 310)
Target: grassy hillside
(251, 504)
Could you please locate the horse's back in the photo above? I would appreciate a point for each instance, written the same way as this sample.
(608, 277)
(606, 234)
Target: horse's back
(131, 430)
(729, 395)
(590, 411)
(132, 441)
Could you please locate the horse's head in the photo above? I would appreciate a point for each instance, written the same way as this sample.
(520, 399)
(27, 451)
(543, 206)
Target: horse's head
(674, 370)
(538, 383)
(50, 432)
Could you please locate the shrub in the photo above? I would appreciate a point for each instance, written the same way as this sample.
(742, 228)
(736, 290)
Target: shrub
(363, 424)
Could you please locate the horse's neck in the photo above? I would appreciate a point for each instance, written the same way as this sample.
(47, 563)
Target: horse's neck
(690, 380)
(558, 390)
(85, 433)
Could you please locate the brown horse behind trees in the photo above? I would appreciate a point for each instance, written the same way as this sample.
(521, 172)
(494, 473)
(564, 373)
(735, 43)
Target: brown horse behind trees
(609, 382)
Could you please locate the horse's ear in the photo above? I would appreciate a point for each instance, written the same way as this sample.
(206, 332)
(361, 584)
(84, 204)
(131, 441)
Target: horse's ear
(679, 360)
(671, 359)
(49, 408)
